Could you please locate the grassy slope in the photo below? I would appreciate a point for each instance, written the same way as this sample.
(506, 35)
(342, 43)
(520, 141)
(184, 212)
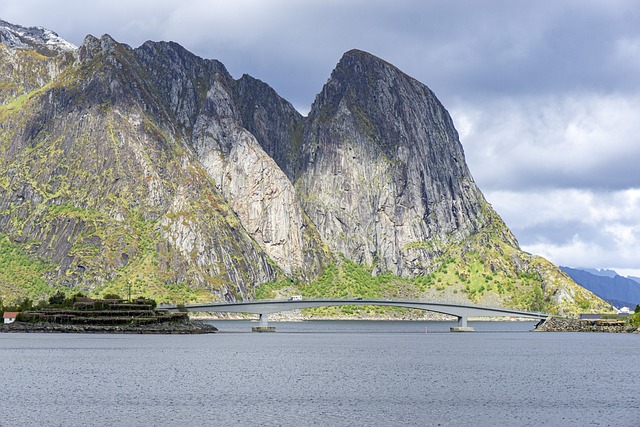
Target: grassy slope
(482, 270)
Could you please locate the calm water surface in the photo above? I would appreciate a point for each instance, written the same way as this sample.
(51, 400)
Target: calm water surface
(324, 373)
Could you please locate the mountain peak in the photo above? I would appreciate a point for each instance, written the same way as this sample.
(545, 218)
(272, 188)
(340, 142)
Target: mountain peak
(374, 91)
(39, 39)
(362, 55)
(359, 75)
(357, 53)
(360, 61)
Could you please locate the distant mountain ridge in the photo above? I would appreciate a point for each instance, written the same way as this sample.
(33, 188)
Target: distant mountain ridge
(154, 169)
(600, 272)
(617, 290)
(39, 39)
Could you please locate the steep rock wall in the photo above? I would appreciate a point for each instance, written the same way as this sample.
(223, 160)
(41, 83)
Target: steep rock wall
(383, 173)
(96, 177)
(210, 105)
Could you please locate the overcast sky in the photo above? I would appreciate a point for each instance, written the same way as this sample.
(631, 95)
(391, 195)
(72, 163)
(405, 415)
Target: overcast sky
(545, 94)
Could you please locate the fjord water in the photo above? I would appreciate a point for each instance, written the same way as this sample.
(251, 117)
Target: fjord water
(324, 373)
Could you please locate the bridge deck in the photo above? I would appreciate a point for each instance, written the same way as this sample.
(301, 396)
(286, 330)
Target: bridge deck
(265, 307)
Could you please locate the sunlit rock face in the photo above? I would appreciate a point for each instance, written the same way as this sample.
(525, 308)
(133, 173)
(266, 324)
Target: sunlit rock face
(383, 172)
(218, 115)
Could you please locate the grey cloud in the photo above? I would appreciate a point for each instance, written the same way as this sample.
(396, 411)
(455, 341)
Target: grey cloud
(464, 48)
(583, 141)
(575, 227)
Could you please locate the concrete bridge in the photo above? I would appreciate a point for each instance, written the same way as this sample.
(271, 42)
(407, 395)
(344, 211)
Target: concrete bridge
(266, 307)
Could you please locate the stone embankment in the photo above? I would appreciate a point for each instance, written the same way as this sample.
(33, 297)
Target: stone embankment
(108, 316)
(558, 324)
(192, 327)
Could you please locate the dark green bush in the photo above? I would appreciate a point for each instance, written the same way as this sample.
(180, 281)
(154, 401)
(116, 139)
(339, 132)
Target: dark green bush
(58, 298)
(25, 304)
(26, 317)
(634, 319)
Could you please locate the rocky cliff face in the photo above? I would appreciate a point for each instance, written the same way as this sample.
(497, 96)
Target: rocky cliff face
(216, 114)
(383, 173)
(153, 168)
(99, 178)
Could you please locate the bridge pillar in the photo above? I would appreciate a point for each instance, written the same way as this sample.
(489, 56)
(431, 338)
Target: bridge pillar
(462, 325)
(264, 324)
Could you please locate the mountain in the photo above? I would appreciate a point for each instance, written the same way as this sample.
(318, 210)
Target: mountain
(154, 171)
(617, 290)
(382, 164)
(600, 272)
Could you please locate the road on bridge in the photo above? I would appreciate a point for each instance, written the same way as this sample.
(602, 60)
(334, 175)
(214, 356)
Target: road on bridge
(265, 307)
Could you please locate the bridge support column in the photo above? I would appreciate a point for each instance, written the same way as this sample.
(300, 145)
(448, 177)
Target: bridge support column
(264, 324)
(462, 325)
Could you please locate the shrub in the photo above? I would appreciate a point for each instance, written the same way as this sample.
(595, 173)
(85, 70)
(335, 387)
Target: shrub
(634, 319)
(58, 298)
(25, 305)
(26, 317)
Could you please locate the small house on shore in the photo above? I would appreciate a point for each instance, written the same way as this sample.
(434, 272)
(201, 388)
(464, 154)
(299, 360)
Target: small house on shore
(10, 316)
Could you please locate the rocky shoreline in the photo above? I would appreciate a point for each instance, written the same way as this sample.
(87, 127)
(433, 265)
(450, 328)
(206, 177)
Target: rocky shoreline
(192, 327)
(553, 324)
(558, 324)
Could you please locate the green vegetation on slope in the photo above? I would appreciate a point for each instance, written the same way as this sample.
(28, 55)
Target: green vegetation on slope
(345, 279)
(22, 276)
(634, 319)
(89, 191)
(482, 270)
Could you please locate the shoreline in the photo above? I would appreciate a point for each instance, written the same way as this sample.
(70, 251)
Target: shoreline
(199, 325)
(559, 324)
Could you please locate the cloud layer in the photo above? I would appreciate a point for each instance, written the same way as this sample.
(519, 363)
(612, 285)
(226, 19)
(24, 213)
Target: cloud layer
(545, 94)
(576, 226)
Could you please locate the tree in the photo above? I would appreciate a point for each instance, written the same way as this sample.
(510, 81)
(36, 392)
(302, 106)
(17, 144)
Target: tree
(25, 305)
(58, 298)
